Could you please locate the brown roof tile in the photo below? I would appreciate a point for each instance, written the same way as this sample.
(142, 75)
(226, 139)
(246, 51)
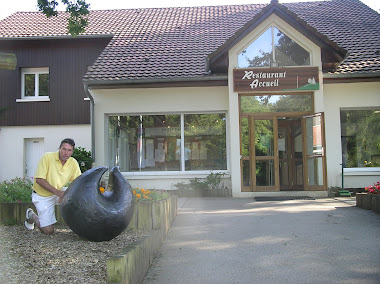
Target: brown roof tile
(165, 43)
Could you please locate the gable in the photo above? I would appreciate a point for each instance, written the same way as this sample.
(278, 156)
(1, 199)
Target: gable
(332, 54)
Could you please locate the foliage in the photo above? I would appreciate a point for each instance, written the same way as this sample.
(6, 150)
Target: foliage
(287, 51)
(78, 9)
(149, 195)
(16, 190)
(84, 158)
(360, 137)
(373, 189)
(212, 181)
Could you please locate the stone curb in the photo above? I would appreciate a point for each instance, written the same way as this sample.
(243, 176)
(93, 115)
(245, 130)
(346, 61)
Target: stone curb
(132, 263)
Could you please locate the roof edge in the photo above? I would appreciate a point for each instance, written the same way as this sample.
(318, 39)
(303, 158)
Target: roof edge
(58, 37)
(89, 82)
(352, 75)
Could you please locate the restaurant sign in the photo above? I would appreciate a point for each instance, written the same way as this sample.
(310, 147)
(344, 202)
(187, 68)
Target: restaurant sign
(276, 79)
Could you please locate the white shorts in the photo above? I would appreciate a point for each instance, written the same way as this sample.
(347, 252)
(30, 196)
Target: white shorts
(45, 208)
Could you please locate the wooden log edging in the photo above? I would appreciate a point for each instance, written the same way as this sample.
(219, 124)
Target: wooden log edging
(132, 263)
(13, 213)
(368, 201)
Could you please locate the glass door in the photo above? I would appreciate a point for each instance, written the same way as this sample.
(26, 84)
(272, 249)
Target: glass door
(263, 154)
(290, 153)
(314, 147)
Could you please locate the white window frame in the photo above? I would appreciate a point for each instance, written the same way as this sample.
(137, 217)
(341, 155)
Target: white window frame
(36, 72)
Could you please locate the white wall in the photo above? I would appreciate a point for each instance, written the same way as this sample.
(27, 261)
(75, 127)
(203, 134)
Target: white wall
(153, 101)
(12, 152)
(348, 95)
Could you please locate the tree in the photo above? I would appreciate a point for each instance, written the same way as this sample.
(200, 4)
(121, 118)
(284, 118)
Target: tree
(78, 9)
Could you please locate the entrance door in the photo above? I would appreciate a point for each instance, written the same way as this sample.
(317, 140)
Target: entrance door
(314, 148)
(263, 154)
(283, 153)
(34, 149)
(290, 153)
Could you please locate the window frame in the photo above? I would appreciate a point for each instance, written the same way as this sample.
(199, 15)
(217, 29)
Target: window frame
(182, 170)
(37, 72)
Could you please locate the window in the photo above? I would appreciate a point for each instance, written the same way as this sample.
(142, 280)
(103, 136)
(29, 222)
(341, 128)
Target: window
(205, 142)
(35, 83)
(276, 103)
(175, 142)
(360, 137)
(272, 49)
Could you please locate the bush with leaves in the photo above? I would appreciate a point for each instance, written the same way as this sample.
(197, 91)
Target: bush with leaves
(84, 158)
(16, 190)
(212, 181)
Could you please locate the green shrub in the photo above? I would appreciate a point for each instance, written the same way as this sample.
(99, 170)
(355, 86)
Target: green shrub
(212, 181)
(84, 158)
(16, 190)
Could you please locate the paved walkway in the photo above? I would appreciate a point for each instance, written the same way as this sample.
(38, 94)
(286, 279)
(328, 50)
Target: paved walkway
(233, 240)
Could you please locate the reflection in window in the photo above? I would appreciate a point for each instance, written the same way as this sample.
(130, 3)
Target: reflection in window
(272, 49)
(276, 103)
(315, 171)
(288, 52)
(244, 137)
(265, 173)
(313, 136)
(264, 141)
(154, 143)
(144, 143)
(360, 137)
(205, 142)
(246, 173)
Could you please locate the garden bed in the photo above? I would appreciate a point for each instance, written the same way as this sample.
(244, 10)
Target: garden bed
(66, 257)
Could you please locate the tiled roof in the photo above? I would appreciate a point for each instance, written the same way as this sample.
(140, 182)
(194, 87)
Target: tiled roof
(170, 43)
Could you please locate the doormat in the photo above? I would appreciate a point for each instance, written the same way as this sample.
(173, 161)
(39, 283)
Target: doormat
(283, 198)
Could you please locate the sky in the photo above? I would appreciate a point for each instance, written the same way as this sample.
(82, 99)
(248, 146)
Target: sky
(10, 7)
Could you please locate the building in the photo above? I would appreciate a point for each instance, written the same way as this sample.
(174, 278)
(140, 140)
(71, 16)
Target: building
(276, 96)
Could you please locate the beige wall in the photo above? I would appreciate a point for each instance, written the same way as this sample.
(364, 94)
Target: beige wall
(349, 96)
(12, 144)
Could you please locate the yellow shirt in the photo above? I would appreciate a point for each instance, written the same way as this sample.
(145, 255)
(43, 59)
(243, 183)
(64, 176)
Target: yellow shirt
(50, 168)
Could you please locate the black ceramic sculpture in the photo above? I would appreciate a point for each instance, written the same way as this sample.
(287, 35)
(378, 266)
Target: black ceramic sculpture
(92, 215)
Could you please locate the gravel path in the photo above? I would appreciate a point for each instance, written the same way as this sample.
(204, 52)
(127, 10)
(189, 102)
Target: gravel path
(64, 257)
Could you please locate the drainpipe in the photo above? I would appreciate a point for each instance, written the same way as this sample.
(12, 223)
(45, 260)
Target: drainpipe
(342, 175)
(92, 120)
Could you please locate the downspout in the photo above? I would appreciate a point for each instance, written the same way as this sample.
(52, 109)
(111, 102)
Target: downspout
(92, 120)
